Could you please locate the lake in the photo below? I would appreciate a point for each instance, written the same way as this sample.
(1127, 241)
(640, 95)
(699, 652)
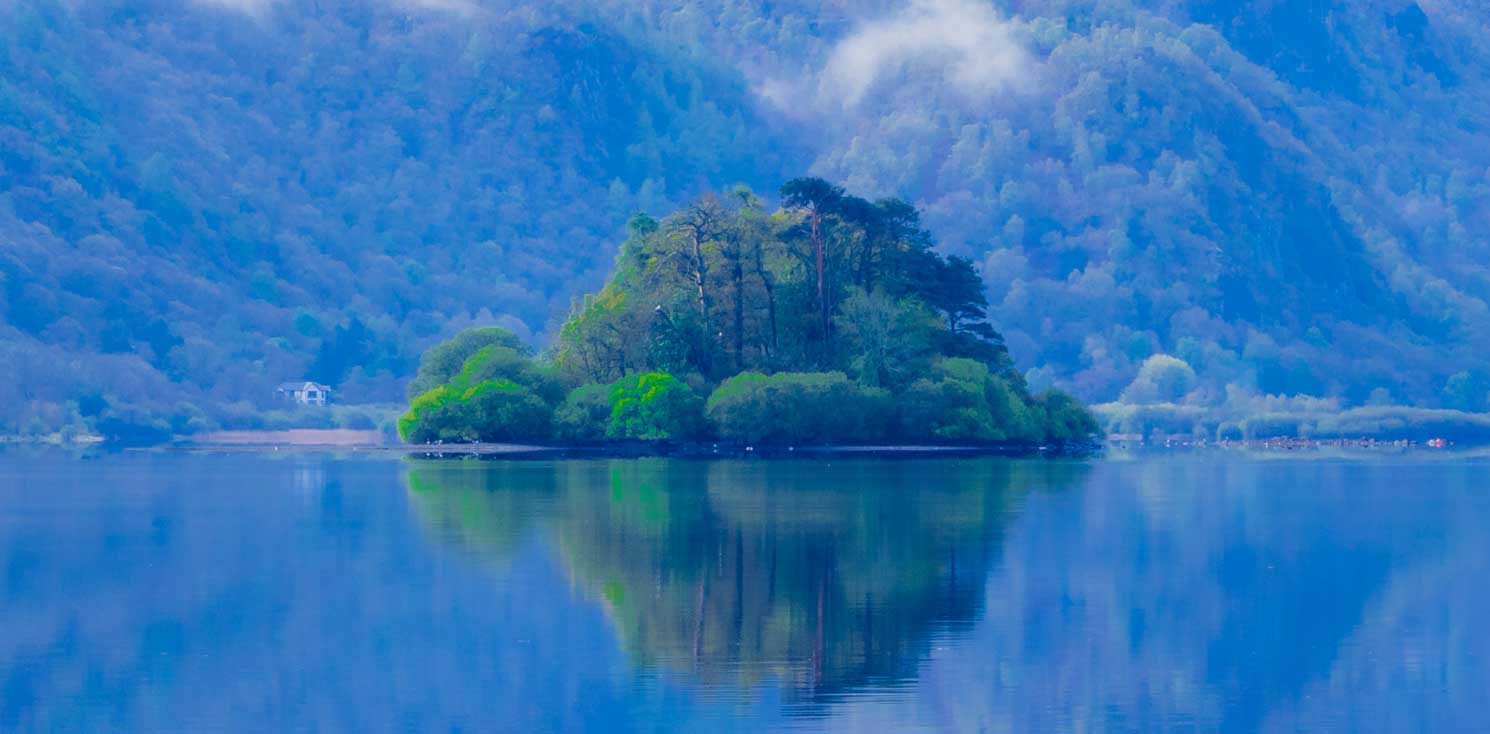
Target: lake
(262, 592)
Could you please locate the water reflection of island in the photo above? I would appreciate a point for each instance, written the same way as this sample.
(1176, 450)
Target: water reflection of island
(824, 577)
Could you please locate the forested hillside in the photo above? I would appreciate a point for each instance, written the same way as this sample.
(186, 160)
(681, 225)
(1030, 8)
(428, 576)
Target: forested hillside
(199, 200)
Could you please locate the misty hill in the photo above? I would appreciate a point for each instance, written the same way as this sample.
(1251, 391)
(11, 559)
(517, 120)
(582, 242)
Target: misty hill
(199, 200)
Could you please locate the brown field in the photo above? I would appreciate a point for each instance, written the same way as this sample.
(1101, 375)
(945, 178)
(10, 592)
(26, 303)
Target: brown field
(340, 437)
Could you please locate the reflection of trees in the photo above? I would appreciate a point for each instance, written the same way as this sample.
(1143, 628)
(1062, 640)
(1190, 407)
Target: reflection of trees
(1228, 596)
(486, 507)
(827, 575)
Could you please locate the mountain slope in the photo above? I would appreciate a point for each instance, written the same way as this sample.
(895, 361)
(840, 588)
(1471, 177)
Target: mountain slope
(222, 202)
(201, 200)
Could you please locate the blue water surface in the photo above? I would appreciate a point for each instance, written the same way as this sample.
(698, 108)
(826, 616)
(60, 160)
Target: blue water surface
(279, 592)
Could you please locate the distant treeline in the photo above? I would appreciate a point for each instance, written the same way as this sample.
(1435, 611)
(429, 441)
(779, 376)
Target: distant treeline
(1168, 400)
(831, 320)
(1159, 421)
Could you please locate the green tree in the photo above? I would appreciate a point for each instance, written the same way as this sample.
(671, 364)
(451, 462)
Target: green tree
(502, 410)
(888, 340)
(654, 406)
(1066, 419)
(816, 199)
(962, 400)
(584, 415)
(798, 408)
(444, 360)
(499, 393)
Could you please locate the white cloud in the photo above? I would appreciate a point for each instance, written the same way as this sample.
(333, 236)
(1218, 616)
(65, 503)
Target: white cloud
(966, 42)
(459, 7)
(258, 8)
(255, 8)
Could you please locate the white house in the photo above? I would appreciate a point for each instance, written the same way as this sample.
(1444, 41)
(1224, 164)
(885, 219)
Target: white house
(304, 393)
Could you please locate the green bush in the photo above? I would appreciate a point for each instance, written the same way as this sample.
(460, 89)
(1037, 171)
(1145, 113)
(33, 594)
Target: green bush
(798, 408)
(654, 406)
(498, 362)
(949, 410)
(1066, 419)
(962, 400)
(433, 415)
(498, 394)
(502, 410)
(492, 410)
(443, 361)
(585, 414)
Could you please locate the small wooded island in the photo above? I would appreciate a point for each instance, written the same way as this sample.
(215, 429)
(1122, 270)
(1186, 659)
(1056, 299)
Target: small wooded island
(829, 322)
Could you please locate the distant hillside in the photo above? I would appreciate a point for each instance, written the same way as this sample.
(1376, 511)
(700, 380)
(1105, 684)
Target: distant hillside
(199, 200)
(1294, 200)
(199, 204)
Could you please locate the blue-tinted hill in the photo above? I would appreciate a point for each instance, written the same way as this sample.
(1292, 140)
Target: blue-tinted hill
(199, 200)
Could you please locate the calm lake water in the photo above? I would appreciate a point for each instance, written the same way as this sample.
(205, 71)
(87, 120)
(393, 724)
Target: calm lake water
(170, 592)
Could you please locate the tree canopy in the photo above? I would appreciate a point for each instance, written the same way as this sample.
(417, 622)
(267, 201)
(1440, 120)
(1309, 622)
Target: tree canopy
(725, 300)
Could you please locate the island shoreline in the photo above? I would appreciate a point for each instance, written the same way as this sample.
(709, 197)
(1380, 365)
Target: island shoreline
(628, 450)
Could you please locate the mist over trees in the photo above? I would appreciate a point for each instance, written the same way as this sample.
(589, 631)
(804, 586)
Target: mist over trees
(201, 200)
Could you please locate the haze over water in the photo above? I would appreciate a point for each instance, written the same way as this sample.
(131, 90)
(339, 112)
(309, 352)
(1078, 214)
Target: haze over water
(153, 592)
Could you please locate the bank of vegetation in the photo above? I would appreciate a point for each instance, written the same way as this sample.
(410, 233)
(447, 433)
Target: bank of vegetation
(1168, 401)
(831, 320)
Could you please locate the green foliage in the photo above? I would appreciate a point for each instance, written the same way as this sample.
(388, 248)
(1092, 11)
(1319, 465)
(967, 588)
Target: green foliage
(1066, 419)
(724, 295)
(497, 393)
(597, 343)
(500, 362)
(831, 282)
(799, 408)
(760, 305)
(443, 361)
(432, 416)
(490, 410)
(964, 401)
(654, 406)
(585, 414)
(887, 341)
(502, 410)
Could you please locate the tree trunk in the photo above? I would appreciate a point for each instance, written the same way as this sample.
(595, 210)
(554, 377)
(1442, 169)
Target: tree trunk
(760, 270)
(739, 275)
(817, 253)
(700, 275)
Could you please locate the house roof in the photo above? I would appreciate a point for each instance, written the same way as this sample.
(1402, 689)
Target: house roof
(302, 385)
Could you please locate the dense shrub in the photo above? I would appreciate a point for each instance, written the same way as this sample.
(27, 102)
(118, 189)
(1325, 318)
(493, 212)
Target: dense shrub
(798, 408)
(654, 406)
(505, 363)
(1066, 419)
(498, 394)
(433, 415)
(501, 410)
(492, 410)
(444, 360)
(585, 414)
(963, 401)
